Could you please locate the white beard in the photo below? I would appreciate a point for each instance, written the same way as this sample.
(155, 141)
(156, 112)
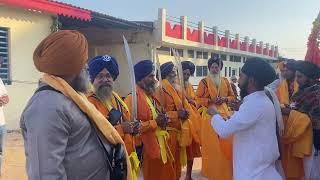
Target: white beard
(216, 79)
(177, 86)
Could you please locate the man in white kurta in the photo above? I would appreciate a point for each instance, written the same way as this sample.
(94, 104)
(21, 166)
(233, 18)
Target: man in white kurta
(255, 145)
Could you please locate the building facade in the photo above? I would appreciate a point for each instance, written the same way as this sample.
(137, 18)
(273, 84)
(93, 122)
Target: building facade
(23, 24)
(197, 42)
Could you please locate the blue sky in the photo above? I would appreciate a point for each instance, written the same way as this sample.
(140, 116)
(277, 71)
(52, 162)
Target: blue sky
(286, 23)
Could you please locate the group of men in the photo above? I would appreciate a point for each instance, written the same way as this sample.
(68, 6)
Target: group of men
(76, 131)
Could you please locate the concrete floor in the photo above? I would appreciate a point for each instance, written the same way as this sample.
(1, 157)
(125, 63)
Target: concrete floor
(13, 165)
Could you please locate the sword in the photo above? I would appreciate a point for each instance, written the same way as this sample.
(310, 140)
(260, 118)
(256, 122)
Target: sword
(162, 100)
(180, 74)
(132, 79)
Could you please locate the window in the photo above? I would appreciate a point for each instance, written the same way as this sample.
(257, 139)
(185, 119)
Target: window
(205, 55)
(180, 52)
(190, 53)
(225, 71)
(199, 55)
(233, 72)
(223, 57)
(239, 71)
(235, 58)
(201, 71)
(229, 71)
(4, 55)
(164, 50)
(244, 59)
(204, 70)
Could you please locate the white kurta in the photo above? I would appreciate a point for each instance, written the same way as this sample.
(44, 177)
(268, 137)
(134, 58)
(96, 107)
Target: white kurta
(255, 147)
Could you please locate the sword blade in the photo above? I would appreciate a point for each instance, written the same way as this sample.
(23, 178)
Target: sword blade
(132, 79)
(180, 74)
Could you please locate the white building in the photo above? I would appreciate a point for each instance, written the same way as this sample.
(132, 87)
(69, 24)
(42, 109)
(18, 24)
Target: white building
(197, 42)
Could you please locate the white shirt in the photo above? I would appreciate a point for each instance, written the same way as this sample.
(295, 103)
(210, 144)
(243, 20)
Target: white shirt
(255, 147)
(3, 92)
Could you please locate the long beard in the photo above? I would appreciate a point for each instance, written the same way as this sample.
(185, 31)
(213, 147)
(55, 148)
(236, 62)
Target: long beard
(150, 88)
(104, 92)
(216, 79)
(177, 86)
(81, 82)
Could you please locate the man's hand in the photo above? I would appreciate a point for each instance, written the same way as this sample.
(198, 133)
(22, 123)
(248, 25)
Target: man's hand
(162, 120)
(235, 105)
(219, 101)
(212, 110)
(183, 114)
(286, 110)
(127, 127)
(136, 127)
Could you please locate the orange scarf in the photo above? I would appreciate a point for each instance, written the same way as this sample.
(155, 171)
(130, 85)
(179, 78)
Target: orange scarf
(107, 130)
(213, 91)
(283, 92)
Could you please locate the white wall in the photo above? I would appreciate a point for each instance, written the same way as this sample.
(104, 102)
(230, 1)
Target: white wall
(26, 29)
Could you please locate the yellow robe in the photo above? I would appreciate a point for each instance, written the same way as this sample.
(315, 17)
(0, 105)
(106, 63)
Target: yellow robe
(295, 143)
(193, 150)
(180, 133)
(216, 153)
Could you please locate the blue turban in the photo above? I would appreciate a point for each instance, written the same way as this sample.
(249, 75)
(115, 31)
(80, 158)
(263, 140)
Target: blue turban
(98, 63)
(215, 59)
(188, 65)
(143, 69)
(166, 69)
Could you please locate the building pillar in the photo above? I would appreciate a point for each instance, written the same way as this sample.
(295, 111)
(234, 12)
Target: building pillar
(276, 51)
(215, 34)
(238, 41)
(254, 43)
(272, 50)
(162, 16)
(184, 23)
(261, 46)
(227, 35)
(246, 40)
(201, 31)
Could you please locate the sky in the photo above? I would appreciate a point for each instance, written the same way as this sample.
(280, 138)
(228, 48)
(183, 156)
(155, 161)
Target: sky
(286, 23)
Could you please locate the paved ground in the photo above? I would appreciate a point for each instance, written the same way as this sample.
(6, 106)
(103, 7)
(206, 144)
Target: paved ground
(14, 161)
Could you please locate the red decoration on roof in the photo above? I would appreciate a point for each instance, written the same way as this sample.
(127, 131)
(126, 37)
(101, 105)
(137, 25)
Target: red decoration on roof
(313, 52)
(51, 7)
(175, 31)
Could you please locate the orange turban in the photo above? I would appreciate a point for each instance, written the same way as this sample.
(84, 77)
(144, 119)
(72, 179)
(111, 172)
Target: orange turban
(62, 53)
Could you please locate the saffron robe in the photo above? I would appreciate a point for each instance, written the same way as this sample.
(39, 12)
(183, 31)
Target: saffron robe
(153, 166)
(193, 150)
(127, 138)
(216, 152)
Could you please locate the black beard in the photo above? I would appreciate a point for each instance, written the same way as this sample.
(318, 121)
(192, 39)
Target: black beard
(81, 82)
(244, 90)
(104, 92)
